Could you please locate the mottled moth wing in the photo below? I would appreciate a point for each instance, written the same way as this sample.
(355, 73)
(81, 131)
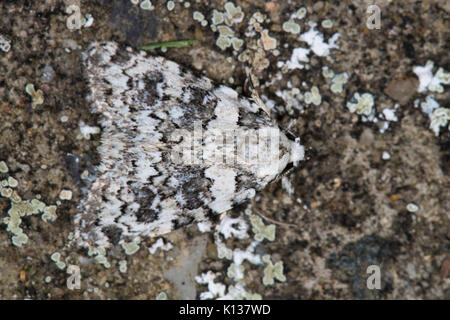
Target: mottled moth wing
(172, 147)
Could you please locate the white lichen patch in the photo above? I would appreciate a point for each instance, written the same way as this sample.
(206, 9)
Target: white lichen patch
(233, 227)
(160, 244)
(217, 290)
(412, 207)
(389, 114)
(86, 131)
(298, 59)
(316, 42)
(430, 82)
(438, 115)
(385, 155)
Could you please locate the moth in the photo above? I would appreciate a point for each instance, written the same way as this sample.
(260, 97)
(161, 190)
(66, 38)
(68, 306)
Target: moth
(175, 147)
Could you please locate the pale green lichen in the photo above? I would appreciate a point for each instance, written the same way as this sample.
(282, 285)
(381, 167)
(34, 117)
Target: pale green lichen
(292, 27)
(327, 23)
(170, 5)
(327, 72)
(218, 17)
(262, 231)
(49, 214)
(412, 207)
(123, 266)
(313, 96)
(36, 96)
(223, 42)
(237, 43)
(6, 192)
(225, 31)
(130, 247)
(223, 252)
(65, 195)
(198, 16)
(19, 239)
(147, 5)
(56, 257)
(235, 272)
(233, 14)
(3, 167)
(338, 81)
(99, 254)
(361, 104)
(272, 271)
(48, 279)
(161, 296)
(301, 13)
(18, 210)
